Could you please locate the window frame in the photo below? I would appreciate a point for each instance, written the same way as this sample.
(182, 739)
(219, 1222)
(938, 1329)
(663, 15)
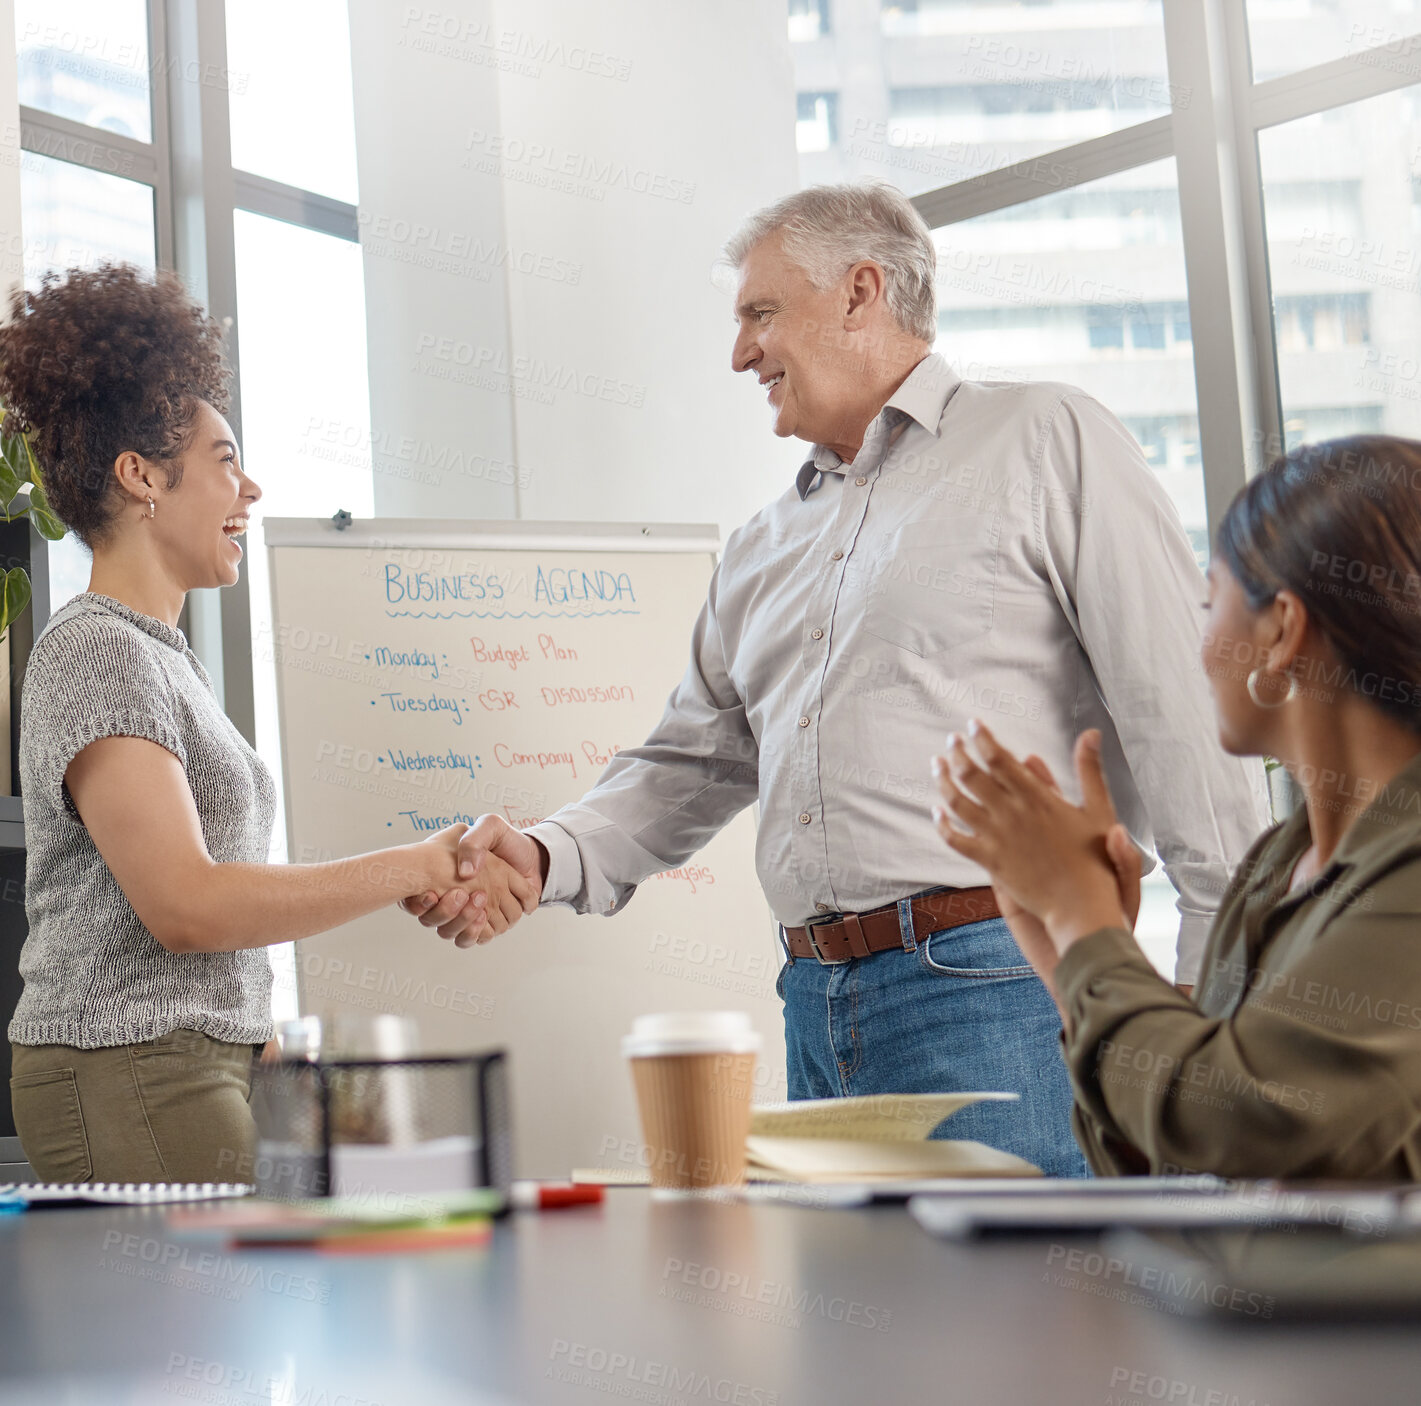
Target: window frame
(196, 192)
(1218, 110)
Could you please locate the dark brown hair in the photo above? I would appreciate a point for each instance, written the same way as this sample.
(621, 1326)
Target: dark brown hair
(1339, 524)
(100, 361)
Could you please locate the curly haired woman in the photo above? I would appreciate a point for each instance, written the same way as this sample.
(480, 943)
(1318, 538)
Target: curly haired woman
(147, 815)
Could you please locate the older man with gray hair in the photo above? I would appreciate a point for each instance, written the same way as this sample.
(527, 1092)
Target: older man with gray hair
(948, 549)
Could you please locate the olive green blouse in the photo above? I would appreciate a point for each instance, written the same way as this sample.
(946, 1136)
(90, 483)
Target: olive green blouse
(1300, 1055)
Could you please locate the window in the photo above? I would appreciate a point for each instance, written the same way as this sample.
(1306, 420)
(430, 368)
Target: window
(1105, 328)
(994, 83)
(1345, 270)
(86, 60)
(1085, 286)
(300, 85)
(1287, 35)
(75, 217)
(815, 128)
(305, 409)
(808, 19)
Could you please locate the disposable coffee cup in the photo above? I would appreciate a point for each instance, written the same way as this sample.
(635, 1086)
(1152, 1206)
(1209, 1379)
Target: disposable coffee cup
(693, 1072)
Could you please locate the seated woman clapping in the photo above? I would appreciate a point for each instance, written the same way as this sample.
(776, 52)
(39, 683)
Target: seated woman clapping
(147, 816)
(1300, 1054)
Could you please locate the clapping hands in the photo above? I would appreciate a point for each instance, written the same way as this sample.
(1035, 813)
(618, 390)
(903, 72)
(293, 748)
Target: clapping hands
(1060, 871)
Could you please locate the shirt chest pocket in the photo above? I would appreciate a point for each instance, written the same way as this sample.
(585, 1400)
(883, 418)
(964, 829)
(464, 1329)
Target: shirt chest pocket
(932, 585)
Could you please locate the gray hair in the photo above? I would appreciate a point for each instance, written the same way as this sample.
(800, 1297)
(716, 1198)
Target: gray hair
(828, 229)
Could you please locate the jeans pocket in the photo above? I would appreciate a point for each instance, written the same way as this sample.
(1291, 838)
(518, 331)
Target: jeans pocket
(51, 1124)
(983, 951)
(780, 980)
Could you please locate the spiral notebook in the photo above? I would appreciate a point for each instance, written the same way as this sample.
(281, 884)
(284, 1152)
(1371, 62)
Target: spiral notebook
(16, 1196)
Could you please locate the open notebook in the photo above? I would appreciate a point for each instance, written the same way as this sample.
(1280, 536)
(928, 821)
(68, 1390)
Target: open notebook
(872, 1137)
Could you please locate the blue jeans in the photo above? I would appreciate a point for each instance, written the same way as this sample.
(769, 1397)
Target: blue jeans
(960, 1011)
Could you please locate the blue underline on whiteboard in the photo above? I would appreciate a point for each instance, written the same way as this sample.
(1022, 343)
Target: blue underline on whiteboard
(505, 614)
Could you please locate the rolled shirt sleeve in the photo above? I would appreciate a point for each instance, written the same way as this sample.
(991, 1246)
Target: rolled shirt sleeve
(1127, 580)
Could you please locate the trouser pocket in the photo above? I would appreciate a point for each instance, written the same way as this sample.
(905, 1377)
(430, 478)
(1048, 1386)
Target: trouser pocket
(50, 1123)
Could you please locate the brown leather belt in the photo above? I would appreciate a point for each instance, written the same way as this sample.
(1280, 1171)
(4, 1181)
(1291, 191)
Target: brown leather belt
(840, 937)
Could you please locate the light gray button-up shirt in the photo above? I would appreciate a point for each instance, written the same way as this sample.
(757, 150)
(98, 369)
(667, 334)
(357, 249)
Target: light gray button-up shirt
(998, 550)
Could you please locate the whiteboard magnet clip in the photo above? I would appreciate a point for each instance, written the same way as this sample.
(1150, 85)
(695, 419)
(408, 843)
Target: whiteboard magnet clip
(342, 519)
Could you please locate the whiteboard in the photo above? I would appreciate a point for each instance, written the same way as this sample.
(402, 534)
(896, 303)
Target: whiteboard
(429, 672)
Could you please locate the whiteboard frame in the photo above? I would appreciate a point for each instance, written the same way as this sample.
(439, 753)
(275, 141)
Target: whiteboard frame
(500, 534)
(696, 540)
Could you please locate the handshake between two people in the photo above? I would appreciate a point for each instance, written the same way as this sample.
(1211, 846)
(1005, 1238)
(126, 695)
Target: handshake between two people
(495, 876)
(1059, 871)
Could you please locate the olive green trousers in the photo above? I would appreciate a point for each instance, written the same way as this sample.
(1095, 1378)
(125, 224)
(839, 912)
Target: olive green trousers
(172, 1109)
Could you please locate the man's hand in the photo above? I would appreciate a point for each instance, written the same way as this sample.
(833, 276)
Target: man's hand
(506, 894)
(491, 834)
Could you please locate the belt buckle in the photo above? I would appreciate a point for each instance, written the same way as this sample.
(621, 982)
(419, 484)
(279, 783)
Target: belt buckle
(818, 920)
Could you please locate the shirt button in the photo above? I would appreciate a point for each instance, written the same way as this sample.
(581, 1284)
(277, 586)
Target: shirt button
(836, 556)
(821, 907)
(804, 722)
(859, 482)
(804, 817)
(816, 634)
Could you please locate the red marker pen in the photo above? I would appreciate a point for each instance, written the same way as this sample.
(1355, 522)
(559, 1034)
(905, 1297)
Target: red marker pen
(551, 1195)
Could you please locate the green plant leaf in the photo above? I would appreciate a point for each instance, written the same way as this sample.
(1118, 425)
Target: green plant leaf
(31, 463)
(14, 467)
(15, 596)
(50, 527)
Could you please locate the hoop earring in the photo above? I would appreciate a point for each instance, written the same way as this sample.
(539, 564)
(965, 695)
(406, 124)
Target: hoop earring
(152, 510)
(1288, 697)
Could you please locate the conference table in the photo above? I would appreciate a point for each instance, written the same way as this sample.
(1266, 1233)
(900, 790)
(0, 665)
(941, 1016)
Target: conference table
(639, 1300)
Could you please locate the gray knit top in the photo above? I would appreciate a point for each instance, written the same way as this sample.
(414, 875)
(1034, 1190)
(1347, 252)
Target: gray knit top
(94, 975)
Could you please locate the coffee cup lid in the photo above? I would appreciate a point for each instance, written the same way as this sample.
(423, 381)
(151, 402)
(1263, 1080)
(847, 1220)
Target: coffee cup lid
(691, 1032)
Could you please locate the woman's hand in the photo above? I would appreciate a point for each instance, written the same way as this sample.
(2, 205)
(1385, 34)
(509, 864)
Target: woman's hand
(440, 855)
(1030, 932)
(1047, 858)
(477, 908)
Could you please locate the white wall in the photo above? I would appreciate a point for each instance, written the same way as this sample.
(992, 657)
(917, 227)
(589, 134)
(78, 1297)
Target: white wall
(603, 340)
(413, 112)
(597, 346)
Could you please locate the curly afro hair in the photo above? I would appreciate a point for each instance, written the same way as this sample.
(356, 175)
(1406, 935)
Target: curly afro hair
(100, 361)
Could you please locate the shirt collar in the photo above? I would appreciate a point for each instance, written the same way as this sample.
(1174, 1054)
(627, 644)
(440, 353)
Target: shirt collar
(1390, 821)
(1392, 818)
(922, 398)
(924, 395)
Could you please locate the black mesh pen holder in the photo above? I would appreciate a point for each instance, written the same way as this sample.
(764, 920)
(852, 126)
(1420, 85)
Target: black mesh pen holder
(382, 1130)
